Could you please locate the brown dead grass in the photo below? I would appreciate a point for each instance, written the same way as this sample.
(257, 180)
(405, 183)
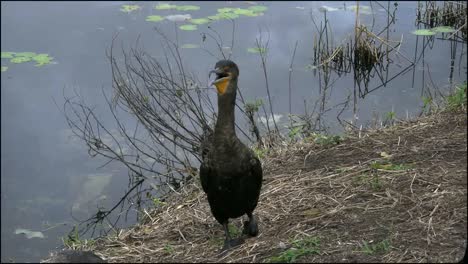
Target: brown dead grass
(334, 194)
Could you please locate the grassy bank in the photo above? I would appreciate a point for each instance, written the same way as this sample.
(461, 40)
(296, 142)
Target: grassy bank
(397, 194)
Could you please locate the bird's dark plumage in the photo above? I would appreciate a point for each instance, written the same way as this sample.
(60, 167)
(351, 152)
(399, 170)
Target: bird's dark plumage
(230, 173)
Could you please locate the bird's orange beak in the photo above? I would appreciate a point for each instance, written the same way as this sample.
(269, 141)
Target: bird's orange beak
(221, 82)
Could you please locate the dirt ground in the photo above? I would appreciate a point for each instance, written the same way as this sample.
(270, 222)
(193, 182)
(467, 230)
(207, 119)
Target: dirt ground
(397, 194)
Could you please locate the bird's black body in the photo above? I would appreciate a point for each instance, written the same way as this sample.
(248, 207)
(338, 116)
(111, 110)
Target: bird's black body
(230, 174)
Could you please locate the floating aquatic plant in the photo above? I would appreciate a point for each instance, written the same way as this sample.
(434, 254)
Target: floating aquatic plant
(187, 8)
(25, 54)
(246, 12)
(228, 15)
(165, 6)
(200, 21)
(7, 55)
(258, 9)
(424, 32)
(179, 18)
(256, 50)
(42, 59)
(20, 59)
(214, 17)
(4, 68)
(226, 10)
(154, 18)
(129, 8)
(188, 27)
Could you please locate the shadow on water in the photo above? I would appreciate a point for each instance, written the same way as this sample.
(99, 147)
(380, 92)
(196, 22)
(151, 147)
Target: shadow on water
(317, 70)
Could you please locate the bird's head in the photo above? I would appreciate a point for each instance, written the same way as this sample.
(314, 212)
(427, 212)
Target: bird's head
(226, 74)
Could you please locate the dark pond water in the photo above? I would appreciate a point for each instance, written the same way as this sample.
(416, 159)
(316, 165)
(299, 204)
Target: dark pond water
(48, 180)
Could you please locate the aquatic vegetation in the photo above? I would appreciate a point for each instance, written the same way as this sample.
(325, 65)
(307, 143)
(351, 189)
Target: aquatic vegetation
(200, 21)
(228, 15)
(42, 59)
(246, 12)
(188, 27)
(20, 59)
(258, 9)
(179, 18)
(28, 233)
(190, 46)
(4, 68)
(7, 55)
(424, 32)
(214, 17)
(327, 9)
(226, 10)
(129, 8)
(187, 8)
(154, 18)
(443, 29)
(25, 54)
(165, 6)
(256, 50)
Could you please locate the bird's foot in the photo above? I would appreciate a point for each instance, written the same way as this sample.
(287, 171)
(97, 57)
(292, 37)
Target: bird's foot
(250, 227)
(229, 244)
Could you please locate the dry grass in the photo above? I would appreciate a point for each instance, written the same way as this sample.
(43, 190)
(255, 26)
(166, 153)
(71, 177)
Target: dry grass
(357, 203)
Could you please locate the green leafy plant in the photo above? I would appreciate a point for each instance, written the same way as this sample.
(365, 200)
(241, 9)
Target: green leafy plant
(457, 99)
(260, 152)
(380, 247)
(324, 139)
(169, 249)
(299, 248)
(253, 107)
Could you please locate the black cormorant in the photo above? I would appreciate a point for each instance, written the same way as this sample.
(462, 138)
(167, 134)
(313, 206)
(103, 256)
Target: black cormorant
(230, 173)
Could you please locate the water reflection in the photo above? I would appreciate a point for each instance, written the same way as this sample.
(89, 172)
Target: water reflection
(47, 174)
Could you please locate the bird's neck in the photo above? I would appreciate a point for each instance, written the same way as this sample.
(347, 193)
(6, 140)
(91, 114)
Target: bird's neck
(225, 121)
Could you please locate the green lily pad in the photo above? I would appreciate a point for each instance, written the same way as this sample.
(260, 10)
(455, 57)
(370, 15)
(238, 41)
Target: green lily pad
(245, 12)
(226, 10)
(20, 59)
(256, 50)
(7, 55)
(129, 8)
(25, 54)
(154, 18)
(188, 27)
(443, 29)
(165, 6)
(200, 21)
(423, 32)
(4, 68)
(190, 46)
(215, 17)
(258, 9)
(187, 8)
(42, 59)
(228, 15)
